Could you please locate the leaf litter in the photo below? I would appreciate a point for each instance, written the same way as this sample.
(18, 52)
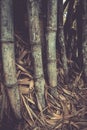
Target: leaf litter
(67, 112)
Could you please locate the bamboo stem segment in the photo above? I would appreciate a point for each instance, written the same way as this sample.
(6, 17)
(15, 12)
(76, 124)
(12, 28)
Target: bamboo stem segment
(51, 44)
(84, 36)
(8, 56)
(61, 39)
(36, 46)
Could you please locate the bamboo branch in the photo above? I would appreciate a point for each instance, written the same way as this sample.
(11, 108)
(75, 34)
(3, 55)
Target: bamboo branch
(36, 46)
(8, 56)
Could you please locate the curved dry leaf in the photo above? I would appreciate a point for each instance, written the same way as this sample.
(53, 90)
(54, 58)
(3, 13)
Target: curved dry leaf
(58, 126)
(62, 97)
(50, 121)
(18, 73)
(23, 69)
(30, 110)
(67, 91)
(27, 108)
(56, 116)
(78, 78)
(30, 100)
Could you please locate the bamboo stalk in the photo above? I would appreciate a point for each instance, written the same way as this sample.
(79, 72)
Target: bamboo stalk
(68, 27)
(84, 36)
(79, 33)
(69, 19)
(36, 46)
(62, 39)
(8, 56)
(51, 45)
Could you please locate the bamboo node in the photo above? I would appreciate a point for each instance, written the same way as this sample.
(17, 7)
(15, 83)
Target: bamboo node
(11, 85)
(51, 29)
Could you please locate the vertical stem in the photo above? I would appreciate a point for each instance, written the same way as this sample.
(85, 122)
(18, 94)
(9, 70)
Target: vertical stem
(51, 44)
(8, 56)
(62, 39)
(68, 26)
(79, 32)
(36, 46)
(84, 36)
(69, 18)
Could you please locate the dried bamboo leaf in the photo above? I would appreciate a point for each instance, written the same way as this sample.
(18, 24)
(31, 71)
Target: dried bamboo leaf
(18, 73)
(32, 112)
(36, 117)
(67, 91)
(77, 79)
(65, 108)
(56, 116)
(21, 62)
(30, 123)
(50, 121)
(22, 55)
(62, 97)
(75, 125)
(26, 74)
(27, 108)
(58, 126)
(23, 69)
(30, 100)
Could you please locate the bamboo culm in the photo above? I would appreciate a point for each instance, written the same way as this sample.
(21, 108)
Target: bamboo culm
(51, 45)
(8, 57)
(61, 39)
(84, 36)
(36, 46)
(79, 33)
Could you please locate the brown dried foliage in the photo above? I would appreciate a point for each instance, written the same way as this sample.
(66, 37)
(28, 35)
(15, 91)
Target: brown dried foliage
(68, 111)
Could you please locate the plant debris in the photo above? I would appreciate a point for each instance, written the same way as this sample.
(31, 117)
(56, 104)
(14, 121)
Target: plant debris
(67, 112)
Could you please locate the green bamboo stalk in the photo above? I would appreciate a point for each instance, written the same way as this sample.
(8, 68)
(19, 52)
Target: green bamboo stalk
(51, 45)
(36, 46)
(61, 39)
(8, 56)
(84, 37)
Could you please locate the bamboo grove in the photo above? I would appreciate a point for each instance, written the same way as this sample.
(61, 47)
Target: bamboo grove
(57, 43)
